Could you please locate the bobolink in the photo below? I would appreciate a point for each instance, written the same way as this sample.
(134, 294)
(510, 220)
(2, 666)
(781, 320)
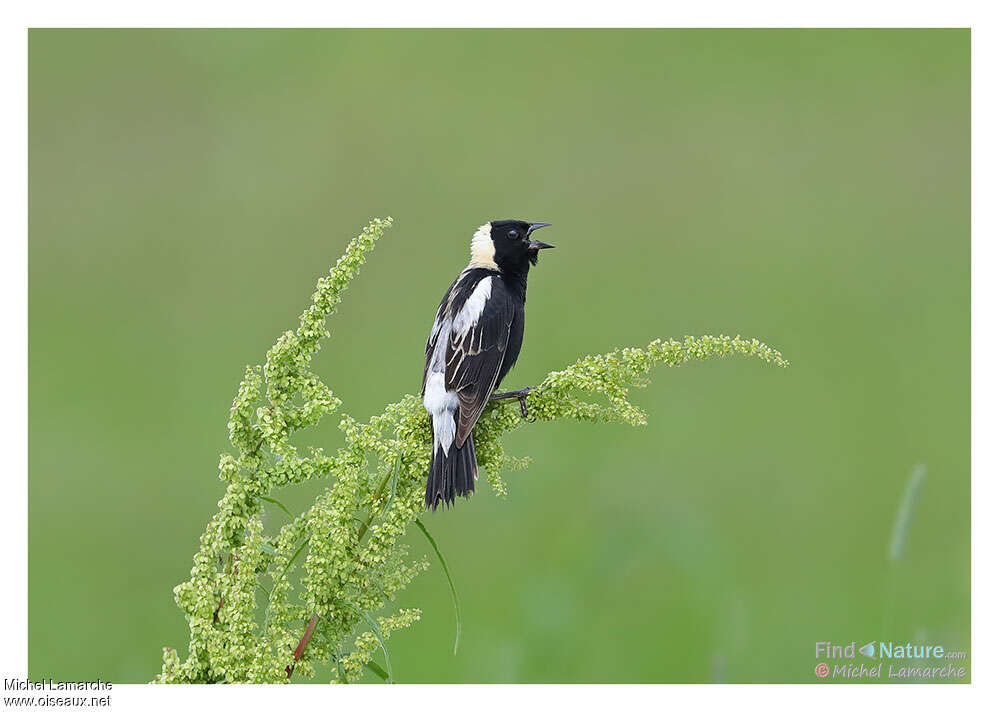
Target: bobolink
(475, 340)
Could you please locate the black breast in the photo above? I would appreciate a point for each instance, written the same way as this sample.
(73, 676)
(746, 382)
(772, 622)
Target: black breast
(514, 344)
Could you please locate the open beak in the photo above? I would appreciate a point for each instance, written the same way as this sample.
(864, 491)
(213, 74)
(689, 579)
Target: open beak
(537, 245)
(536, 226)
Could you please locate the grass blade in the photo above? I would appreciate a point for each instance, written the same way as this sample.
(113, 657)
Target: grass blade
(275, 502)
(450, 583)
(906, 510)
(377, 670)
(377, 631)
(395, 482)
(284, 571)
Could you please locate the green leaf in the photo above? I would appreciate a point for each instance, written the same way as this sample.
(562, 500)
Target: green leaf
(377, 670)
(377, 631)
(268, 549)
(274, 501)
(450, 583)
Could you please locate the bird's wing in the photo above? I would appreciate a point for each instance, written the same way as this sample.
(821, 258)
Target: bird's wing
(435, 332)
(453, 299)
(477, 342)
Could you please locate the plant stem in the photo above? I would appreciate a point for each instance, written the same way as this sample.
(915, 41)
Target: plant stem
(300, 650)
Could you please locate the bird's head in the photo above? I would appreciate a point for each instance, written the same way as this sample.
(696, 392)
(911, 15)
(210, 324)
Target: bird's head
(507, 245)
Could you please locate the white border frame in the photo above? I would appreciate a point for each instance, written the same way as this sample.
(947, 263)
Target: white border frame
(536, 13)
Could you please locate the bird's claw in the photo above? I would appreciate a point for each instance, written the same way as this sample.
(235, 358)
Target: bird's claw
(523, 408)
(521, 396)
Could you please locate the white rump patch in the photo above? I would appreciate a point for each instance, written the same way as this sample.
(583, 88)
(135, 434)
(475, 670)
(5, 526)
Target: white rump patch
(483, 249)
(441, 406)
(474, 306)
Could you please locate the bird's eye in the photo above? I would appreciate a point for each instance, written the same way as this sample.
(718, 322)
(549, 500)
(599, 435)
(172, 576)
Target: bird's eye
(513, 234)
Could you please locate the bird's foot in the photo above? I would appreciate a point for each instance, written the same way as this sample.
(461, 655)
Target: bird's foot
(523, 407)
(520, 395)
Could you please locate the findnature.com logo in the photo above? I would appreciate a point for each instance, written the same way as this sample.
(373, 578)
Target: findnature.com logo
(917, 661)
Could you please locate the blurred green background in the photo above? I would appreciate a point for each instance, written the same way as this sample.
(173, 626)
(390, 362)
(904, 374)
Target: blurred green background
(810, 188)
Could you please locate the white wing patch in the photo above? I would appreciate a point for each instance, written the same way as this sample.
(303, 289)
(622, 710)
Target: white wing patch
(474, 306)
(483, 250)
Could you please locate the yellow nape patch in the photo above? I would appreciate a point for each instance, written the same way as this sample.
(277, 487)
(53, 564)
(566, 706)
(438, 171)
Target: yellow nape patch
(483, 250)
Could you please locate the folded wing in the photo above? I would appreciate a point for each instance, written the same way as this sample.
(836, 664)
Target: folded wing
(477, 329)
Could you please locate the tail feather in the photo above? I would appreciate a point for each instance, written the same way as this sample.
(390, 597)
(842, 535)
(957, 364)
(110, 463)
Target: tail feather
(451, 475)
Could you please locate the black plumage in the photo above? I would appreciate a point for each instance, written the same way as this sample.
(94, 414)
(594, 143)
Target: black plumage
(475, 341)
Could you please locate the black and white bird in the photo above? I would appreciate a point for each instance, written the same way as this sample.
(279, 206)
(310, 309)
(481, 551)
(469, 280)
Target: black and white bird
(475, 340)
